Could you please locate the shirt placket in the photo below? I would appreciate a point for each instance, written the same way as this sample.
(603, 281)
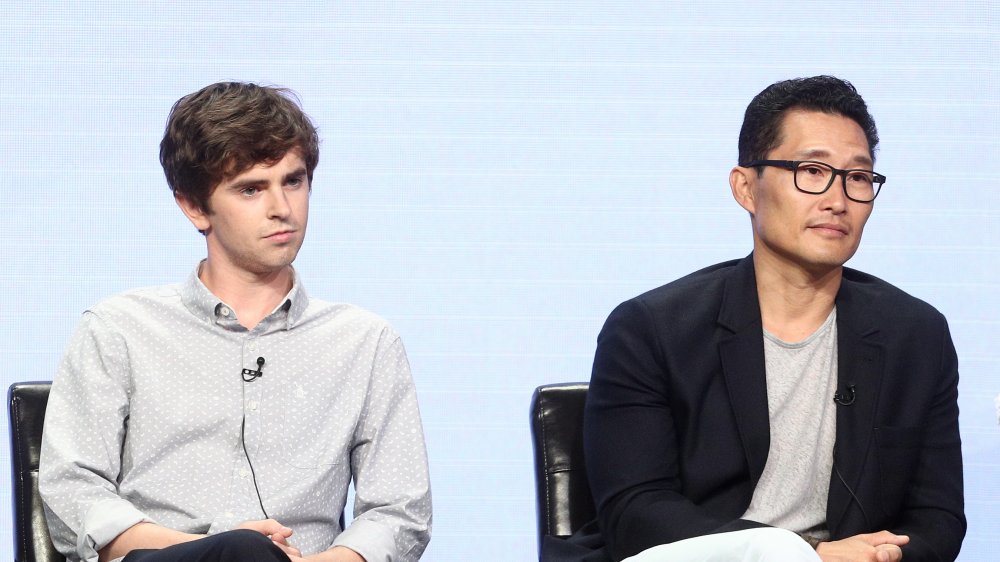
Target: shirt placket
(253, 391)
(242, 503)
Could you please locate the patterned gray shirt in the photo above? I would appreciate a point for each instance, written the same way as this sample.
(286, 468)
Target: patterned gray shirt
(144, 424)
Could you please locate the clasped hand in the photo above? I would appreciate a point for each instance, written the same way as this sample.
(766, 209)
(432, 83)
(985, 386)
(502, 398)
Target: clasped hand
(882, 546)
(279, 535)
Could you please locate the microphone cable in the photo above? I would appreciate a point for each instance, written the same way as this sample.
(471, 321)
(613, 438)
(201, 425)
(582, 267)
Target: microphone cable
(248, 376)
(864, 513)
(253, 475)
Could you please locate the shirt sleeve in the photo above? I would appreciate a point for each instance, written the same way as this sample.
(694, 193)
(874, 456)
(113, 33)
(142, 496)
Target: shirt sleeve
(82, 441)
(392, 504)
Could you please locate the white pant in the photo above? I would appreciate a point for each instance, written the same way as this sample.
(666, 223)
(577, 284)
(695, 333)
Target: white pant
(768, 544)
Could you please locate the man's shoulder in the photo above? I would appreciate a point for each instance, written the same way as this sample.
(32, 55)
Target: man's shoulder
(345, 316)
(875, 294)
(137, 300)
(690, 303)
(697, 287)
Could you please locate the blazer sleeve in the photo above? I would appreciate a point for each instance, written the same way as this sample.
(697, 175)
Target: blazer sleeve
(933, 508)
(630, 442)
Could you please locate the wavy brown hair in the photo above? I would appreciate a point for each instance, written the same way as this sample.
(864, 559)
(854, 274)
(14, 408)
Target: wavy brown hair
(227, 128)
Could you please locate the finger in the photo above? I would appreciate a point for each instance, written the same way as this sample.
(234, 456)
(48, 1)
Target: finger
(273, 528)
(251, 525)
(885, 537)
(287, 549)
(895, 540)
(888, 553)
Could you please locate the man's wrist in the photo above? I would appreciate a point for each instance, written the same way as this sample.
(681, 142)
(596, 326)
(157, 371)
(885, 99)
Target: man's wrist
(337, 554)
(143, 535)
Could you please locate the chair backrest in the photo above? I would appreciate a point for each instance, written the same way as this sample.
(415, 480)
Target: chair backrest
(26, 405)
(562, 493)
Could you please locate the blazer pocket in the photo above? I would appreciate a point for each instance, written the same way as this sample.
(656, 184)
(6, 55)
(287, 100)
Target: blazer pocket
(898, 455)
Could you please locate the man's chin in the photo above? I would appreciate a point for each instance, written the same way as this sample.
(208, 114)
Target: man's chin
(276, 265)
(824, 264)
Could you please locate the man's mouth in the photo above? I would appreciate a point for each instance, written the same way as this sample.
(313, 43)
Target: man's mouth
(281, 236)
(830, 228)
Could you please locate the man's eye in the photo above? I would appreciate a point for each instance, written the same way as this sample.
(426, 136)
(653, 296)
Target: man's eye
(296, 182)
(249, 191)
(860, 177)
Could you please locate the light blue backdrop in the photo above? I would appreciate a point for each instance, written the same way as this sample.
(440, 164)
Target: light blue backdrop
(494, 178)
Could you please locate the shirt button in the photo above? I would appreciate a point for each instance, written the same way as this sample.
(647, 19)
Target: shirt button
(244, 473)
(253, 404)
(224, 311)
(253, 347)
(229, 514)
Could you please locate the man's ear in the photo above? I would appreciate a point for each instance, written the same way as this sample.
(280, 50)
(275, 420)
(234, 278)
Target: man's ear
(194, 213)
(742, 182)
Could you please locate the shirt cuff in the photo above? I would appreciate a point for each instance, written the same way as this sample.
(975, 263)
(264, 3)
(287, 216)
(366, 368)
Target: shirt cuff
(104, 521)
(372, 540)
(813, 541)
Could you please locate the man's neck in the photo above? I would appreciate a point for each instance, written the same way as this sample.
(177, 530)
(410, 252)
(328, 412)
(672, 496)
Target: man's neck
(252, 296)
(794, 301)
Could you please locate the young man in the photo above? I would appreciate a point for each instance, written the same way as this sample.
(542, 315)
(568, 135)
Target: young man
(223, 418)
(781, 392)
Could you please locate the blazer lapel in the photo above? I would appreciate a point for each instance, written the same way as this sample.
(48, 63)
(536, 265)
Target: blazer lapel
(860, 361)
(741, 352)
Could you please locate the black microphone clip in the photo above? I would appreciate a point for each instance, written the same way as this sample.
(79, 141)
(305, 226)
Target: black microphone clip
(250, 375)
(846, 398)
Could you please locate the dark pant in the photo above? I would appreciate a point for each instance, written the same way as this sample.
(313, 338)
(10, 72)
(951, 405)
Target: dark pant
(241, 545)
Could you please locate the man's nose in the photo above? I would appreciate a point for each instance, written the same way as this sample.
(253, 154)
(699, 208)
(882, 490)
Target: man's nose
(835, 198)
(279, 207)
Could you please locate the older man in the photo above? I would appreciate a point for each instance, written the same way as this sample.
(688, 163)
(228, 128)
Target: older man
(781, 406)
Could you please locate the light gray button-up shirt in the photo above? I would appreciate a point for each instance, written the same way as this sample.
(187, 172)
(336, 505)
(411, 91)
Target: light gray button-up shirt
(144, 424)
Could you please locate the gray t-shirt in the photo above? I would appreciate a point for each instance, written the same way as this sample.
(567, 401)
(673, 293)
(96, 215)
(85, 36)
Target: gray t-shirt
(801, 381)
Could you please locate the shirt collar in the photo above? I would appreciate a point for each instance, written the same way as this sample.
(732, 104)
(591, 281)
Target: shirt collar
(204, 304)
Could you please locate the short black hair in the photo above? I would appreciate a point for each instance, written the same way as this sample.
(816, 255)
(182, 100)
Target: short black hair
(761, 131)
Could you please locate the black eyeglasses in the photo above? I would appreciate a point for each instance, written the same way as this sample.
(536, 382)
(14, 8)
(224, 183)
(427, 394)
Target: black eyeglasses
(817, 177)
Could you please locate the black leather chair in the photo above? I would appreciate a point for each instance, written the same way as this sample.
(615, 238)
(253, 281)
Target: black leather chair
(26, 405)
(562, 493)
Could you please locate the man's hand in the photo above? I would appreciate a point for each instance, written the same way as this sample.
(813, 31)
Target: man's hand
(277, 532)
(882, 546)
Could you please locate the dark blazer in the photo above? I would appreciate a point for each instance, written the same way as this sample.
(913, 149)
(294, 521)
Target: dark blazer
(676, 429)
